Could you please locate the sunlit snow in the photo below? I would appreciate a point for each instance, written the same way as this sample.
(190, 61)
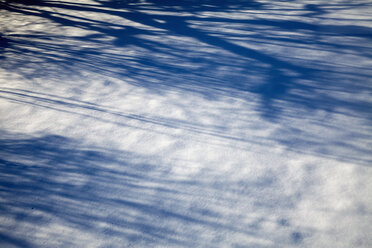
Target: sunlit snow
(184, 123)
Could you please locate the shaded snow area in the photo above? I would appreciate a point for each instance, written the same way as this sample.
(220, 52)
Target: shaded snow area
(185, 123)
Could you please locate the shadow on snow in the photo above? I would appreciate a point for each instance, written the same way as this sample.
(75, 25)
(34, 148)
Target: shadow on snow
(52, 179)
(242, 64)
(223, 62)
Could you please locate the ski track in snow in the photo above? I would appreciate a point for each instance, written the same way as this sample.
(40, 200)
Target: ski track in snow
(145, 123)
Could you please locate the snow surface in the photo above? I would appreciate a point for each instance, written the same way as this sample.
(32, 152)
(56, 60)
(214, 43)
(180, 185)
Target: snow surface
(154, 123)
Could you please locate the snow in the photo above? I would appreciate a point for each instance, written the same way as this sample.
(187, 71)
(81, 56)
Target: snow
(185, 123)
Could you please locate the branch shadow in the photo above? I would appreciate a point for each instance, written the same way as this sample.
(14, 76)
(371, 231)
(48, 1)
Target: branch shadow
(277, 77)
(277, 62)
(292, 61)
(52, 186)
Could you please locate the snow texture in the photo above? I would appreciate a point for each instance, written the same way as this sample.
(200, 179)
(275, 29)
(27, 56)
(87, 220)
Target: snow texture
(184, 123)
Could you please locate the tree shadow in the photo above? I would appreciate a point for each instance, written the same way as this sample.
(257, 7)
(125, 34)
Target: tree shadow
(52, 186)
(297, 63)
(276, 76)
(38, 172)
(185, 46)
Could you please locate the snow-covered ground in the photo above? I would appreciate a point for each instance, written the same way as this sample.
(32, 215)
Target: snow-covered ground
(184, 123)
